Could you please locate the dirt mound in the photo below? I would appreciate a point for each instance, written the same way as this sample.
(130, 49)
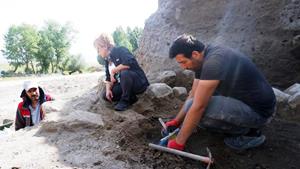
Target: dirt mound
(85, 132)
(132, 131)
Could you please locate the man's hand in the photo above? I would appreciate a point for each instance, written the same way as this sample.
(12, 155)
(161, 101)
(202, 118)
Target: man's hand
(174, 145)
(114, 71)
(109, 95)
(171, 126)
(112, 78)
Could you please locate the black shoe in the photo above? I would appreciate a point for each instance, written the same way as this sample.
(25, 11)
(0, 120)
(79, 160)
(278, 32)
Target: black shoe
(121, 106)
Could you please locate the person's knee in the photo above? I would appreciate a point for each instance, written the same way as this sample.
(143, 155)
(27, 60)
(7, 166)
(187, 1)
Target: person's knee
(125, 74)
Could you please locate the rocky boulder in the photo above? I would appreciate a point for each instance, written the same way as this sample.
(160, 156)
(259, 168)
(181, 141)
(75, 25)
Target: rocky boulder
(265, 30)
(168, 77)
(293, 89)
(180, 92)
(281, 97)
(294, 101)
(159, 90)
(288, 103)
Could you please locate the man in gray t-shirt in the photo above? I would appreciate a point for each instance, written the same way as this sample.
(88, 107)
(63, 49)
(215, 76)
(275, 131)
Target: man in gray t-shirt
(229, 94)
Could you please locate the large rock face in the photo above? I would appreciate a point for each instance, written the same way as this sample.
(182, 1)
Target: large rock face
(266, 30)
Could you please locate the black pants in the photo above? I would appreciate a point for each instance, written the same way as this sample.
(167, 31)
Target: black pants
(130, 85)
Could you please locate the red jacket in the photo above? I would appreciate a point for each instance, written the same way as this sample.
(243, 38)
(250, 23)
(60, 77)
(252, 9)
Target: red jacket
(23, 115)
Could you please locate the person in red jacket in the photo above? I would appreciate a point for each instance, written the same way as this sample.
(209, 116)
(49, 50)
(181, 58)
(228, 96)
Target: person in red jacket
(30, 111)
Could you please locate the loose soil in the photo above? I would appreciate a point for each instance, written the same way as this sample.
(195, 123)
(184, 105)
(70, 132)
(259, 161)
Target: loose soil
(82, 131)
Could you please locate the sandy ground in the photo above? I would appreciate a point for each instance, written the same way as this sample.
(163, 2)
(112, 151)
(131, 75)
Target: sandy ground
(35, 147)
(62, 87)
(81, 131)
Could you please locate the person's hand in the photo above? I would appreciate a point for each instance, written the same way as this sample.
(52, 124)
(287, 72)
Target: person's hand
(109, 95)
(112, 78)
(174, 145)
(49, 98)
(171, 126)
(114, 71)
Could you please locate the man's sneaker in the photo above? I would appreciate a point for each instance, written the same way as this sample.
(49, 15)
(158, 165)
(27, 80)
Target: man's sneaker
(121, 106)
(244, 142)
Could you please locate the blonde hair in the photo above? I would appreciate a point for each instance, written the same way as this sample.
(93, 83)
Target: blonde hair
(104, 40)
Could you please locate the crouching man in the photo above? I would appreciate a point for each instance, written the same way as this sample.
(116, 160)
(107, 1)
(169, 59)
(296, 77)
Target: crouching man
(229, 94)
(30, 111)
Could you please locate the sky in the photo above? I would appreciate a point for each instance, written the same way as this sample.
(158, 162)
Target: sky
(88, 17)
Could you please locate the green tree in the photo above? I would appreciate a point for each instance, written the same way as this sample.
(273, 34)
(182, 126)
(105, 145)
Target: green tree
(12, 49)
(21, 46)
(72, 64)
(46, 52)
(56, 40)
(76, 63)
(133, 36)
(38, 51)
(121, 38)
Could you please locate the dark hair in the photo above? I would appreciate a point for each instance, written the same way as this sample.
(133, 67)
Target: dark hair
(27, 101)
(185, 44)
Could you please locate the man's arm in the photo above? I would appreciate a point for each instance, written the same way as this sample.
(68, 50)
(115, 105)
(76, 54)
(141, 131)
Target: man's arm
(119, 68)
(180, 116)
(203, 93)
(19, 121)
(43, 112)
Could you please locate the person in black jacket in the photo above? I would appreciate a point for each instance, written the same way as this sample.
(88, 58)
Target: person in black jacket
(124, 77)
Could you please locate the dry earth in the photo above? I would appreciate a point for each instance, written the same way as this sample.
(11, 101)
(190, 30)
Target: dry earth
(81, 131)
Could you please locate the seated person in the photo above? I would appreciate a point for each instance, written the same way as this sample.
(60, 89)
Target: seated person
(124, 76)
(30, 111)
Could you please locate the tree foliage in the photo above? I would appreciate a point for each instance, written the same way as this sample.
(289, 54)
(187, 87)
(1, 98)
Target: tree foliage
(133, 36)
(128, 38)
(39, 51)
(21, 47)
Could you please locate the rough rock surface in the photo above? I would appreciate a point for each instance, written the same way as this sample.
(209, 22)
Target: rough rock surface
(288, 106)
(159, 90)
(180, 92)
(295, 88)
(168, 77)
(281, 97)
(265, 30)
(294, 100)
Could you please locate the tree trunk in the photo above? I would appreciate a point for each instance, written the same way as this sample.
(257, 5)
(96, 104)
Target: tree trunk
(16, 68)
(26, 67)
(52, 67)
(32, 66)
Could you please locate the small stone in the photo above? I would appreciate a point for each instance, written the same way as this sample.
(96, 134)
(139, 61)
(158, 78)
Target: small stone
(295, 88)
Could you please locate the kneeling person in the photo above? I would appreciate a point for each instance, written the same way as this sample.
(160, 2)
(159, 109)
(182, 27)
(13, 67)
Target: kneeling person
(124, 77)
